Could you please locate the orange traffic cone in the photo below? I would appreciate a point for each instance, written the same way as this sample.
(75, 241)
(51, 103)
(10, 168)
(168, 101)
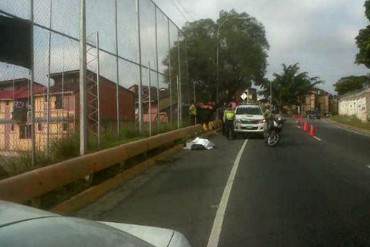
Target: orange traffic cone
(312, 130)
(305, 127)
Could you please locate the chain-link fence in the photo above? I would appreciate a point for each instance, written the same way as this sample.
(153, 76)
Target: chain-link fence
(137, 82)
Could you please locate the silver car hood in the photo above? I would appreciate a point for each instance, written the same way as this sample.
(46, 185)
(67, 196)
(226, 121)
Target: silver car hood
(158, 237)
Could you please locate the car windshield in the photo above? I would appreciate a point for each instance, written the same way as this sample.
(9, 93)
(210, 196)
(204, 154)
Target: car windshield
(249, 111)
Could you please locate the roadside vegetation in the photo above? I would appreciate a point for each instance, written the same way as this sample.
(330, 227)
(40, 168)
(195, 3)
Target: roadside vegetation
(69, 147)
(351, 121)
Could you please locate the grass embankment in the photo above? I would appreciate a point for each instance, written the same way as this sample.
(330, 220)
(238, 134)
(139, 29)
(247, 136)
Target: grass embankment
(351, 121)
(69, 147)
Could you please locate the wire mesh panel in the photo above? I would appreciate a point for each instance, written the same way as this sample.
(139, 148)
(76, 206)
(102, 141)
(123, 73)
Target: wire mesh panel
(117, 47)
(174, 75)
(127, 30)
(147, 30)
(163, 42)
(100, 17)
(129, 78)
(18, 8)
(108, 89)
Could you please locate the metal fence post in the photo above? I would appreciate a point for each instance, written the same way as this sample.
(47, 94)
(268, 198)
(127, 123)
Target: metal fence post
(179, 75)
(33, 144)
(98, 84)
(140, 106)
(169, 69)
(83, 98)
(157, 64)
(117, 67)
(178, 102)
(194, 101)
(150, 100)
(48, 87)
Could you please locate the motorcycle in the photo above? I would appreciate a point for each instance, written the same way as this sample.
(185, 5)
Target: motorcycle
(273, 130)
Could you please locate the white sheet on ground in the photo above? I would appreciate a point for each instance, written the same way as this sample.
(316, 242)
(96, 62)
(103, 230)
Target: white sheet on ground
(207, 144)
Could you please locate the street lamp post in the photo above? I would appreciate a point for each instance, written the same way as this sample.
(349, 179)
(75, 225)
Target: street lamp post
(270, 92)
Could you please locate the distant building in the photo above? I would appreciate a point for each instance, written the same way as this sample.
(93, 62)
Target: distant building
(356, 103)
(15, 121)
(319, 100)
(164, 103)
(15, 125)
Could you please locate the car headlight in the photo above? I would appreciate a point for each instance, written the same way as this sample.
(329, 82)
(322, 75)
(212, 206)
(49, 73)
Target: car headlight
(262, 121)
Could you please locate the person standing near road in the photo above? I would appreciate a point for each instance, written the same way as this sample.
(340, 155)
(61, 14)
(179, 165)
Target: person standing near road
(193, 113)
(229, 117)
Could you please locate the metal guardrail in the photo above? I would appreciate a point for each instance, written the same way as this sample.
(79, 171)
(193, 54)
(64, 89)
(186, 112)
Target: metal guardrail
(38, 182)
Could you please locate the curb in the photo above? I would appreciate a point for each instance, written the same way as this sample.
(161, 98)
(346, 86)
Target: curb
(93, 193)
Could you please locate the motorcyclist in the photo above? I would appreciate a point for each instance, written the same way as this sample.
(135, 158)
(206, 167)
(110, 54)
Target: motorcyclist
(268, 116)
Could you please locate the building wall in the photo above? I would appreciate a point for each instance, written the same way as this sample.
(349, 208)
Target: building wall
(108, 107)
(356, 105)
(323, 104)
(61, 124)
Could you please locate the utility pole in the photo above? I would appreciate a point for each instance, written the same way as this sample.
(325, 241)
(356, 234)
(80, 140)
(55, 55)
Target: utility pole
(83, 108)
(150, 100)
(217, 64)
(270, 92)
(194, 100)
(178, 102)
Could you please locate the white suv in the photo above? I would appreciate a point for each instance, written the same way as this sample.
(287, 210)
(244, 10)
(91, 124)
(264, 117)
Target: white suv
(249, 119)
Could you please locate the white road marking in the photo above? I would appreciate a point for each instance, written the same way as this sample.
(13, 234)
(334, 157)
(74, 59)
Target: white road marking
(214, 237)
(317, 138)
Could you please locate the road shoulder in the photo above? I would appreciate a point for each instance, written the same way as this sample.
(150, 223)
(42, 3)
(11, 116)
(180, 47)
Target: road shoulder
(348, 127)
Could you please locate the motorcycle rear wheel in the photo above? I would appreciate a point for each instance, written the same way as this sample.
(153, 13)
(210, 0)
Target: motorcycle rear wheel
(273, 139)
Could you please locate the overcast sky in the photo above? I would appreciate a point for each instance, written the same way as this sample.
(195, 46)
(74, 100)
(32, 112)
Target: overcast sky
(318, 34)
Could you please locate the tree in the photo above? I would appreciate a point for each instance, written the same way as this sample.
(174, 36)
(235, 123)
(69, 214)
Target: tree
(243, 54)
(290, 86)
(363, 41)
(350, 83)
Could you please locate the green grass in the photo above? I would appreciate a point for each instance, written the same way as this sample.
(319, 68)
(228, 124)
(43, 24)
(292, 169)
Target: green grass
(352, 121)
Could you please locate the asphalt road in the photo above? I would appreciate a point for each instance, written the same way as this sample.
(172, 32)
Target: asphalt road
(304, 192)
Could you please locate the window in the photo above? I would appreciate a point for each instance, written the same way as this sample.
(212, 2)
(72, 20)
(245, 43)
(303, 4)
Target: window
(65, 126)
(25, 131)
(58, 102)
(39, 126)
(12, 127)
(249, 110)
